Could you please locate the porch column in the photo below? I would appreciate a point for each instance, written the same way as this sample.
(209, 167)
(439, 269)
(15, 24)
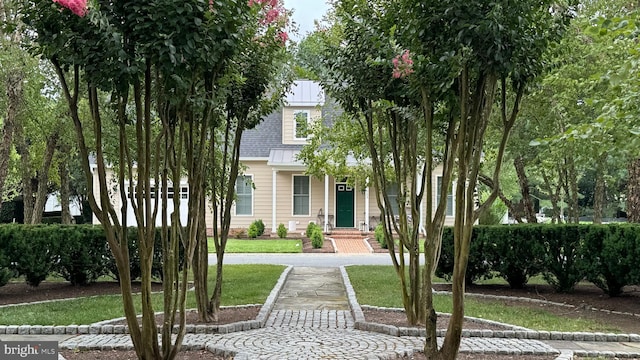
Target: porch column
(366, 206)
(274, 227)
(326, 203)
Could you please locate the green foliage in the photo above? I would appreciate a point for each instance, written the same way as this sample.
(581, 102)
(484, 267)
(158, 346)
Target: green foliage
(260, 225)
(513, 253)
(565, 254)
(282, 231)
(6, 271)
(79, 253)
(11, 211)
(134, 256)
(479, 265)
(253, 230)
(317, 238)
(493, 215)
(380, 238)
(33, 250)
(564, 266)
(84, 254)
(310, 228)
(612, 252)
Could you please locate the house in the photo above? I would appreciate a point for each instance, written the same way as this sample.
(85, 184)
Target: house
(274, 186)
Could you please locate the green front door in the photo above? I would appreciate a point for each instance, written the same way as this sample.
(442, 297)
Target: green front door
(344, 206)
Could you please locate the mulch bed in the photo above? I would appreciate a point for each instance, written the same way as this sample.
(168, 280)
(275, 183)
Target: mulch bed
(327, 247)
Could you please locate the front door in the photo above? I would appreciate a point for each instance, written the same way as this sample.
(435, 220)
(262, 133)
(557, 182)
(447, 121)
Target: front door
(344, 206)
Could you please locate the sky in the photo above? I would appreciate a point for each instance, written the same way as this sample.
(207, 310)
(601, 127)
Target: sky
(305, 12)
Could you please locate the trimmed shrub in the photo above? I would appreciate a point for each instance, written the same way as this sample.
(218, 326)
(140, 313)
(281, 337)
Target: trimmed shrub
(84, 254)
(260, 225)
(310, 227)
(317, 238)
(282, 231)
(34, 251)
(6, 272)
(611, 252)
(564, 265)
(379, 234)
(514, 255)
(479, 265)
(134, 256)
(252, 231)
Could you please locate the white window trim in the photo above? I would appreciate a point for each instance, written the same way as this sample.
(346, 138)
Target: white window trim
(293, 195)
(295, 124)
(453, 198)
(235, 210)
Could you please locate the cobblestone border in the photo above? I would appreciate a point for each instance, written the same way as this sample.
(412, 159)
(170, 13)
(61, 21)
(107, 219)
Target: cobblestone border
(107, 326)
(540, 301)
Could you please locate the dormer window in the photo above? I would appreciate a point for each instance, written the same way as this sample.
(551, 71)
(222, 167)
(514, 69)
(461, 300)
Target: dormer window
(301, 124)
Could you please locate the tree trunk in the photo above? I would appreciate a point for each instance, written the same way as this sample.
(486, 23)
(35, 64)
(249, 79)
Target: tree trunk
(14, 97)
(633, 192)
(572, 190)
(599, 192)
(43, 180)
(28, 182)
(523, 181)
(65, 192)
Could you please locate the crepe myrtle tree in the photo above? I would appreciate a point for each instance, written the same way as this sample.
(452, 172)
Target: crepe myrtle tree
(252, 87)
(366, 72)
(468, 57)
(155, 60)
(455, 61)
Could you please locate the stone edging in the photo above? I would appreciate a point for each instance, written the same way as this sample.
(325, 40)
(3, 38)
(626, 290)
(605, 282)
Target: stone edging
(540, 301)
(106, 327)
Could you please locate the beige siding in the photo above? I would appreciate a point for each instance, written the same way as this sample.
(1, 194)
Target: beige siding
(288, 124)
(262, 176)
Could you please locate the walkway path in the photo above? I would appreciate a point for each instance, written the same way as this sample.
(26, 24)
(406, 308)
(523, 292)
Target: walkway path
(312, 317)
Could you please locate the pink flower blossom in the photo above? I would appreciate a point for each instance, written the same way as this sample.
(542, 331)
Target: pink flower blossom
(402, 65)
(78, 7)
(271, 16)
(283, 37)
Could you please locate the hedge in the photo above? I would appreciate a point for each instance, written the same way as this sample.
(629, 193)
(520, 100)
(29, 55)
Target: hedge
(78, 253)
(563, 254)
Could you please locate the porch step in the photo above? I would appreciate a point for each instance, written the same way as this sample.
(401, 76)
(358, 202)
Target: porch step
(349, 241)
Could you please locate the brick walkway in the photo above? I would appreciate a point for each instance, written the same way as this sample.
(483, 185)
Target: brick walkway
(349, 242)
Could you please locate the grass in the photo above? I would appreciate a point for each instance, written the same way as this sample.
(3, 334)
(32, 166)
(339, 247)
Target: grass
(259, 246)
(379, 286)
(262, 279)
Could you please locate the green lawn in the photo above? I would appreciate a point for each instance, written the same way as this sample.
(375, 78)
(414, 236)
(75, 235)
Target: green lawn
(260, 246)
(262, 279)
(379, 286)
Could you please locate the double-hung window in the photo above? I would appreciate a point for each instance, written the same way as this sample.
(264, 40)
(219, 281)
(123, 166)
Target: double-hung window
(301, 195)
(301, 124)
(392, 195)
(244, 195)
